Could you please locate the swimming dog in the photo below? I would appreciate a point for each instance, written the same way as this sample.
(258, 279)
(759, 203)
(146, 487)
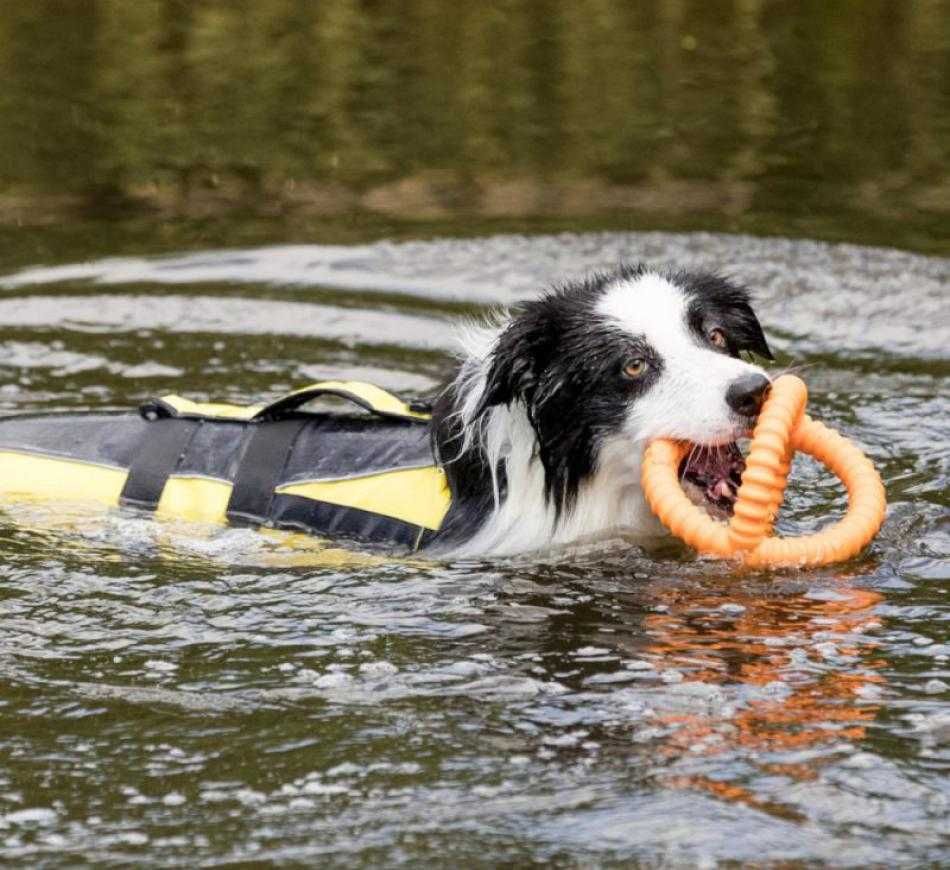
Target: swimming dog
(542, 431)
(536, 441)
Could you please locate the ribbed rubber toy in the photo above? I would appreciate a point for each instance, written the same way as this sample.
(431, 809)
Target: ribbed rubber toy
(782, 428)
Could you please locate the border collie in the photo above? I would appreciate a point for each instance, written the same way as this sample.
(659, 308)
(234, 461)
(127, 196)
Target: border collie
(542, 431)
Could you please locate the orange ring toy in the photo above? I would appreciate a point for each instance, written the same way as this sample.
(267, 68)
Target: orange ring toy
(782, 428)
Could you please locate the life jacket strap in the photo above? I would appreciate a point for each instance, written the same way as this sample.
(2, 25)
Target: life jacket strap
(260, 470)
(167, 441)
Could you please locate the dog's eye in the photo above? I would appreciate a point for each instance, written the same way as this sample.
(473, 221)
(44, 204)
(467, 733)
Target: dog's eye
(635, 368)
(718, 338)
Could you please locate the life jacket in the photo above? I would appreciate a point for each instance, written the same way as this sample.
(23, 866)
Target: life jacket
(364, 477)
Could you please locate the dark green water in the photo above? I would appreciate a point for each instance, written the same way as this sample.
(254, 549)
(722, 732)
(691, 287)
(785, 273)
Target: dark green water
(202, 196)
(215, 123)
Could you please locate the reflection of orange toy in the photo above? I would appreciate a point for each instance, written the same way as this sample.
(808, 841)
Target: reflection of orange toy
(829, 695)
(782, 428)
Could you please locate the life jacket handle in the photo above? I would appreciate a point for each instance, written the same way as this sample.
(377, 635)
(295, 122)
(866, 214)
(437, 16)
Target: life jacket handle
(368, 396)
(374, 399)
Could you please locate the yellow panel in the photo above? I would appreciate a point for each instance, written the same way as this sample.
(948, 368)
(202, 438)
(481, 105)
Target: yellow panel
(414, 495)
(196, 499)
(29, 475)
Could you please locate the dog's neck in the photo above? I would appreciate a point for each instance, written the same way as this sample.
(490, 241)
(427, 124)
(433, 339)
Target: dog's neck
(501, 504)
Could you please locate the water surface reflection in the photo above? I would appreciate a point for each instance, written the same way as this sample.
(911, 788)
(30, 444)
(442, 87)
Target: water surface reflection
(182, 695)
(215, 122)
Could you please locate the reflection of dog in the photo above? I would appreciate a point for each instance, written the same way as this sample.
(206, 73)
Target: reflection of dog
(542, 432)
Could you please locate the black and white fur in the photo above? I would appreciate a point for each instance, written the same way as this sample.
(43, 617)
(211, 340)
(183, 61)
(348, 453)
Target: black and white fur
(542, 431)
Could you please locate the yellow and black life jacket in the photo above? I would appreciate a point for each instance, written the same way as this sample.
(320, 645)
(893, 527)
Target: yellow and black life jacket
(364, 477)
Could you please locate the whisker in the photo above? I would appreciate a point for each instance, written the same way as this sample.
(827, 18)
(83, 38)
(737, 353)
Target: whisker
(689, 459)
(792, 369)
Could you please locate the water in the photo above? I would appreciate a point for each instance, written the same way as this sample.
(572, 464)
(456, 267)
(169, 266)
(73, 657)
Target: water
(176, 696)
(197, 199)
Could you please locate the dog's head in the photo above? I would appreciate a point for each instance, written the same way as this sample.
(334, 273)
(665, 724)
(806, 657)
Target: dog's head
(602, 367)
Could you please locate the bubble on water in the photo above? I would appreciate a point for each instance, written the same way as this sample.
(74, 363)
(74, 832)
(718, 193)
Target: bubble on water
(862, 761)
(174, 799)
(777, 689)
(333, 680)
(798, 657)
(160, 666)
(315, 787)
(128, 838)
(614, 677)
(149, 370)
(594, 654)
(571, 738)
(250, 797)
(466, 668)
(378, 669)
(214, 796)
(825, 595)
(32, 817)
(300, 804)
(347, 768)
(637, 665)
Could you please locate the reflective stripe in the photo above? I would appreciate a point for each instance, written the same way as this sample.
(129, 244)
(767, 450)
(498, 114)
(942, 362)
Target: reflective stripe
(33, 475)
(195, 499)
(419, 496)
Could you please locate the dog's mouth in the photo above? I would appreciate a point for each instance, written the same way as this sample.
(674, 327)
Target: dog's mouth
(711, 477)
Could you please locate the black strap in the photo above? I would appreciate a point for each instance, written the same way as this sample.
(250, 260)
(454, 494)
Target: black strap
(158, 454)
(260, 470)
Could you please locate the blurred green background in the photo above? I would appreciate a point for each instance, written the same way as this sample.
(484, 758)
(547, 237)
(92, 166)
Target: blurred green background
(180, 123)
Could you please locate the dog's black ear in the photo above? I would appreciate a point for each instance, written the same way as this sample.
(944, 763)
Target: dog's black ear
(520, 355)
(730, 304)
(748, 331)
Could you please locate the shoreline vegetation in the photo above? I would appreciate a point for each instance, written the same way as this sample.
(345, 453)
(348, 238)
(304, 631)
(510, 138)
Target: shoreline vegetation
(744, 115)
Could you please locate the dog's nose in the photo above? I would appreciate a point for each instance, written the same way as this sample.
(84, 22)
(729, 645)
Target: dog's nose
(746, 394)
